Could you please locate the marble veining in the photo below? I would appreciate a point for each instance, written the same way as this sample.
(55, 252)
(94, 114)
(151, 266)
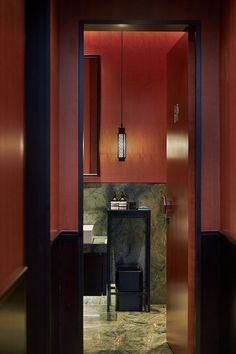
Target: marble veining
(134, 332)
(96, 202)
(94, 248)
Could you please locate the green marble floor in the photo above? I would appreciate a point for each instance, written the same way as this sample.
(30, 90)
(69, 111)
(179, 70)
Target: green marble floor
(127, 332)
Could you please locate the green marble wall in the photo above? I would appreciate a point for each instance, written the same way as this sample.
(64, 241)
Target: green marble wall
(96, 202)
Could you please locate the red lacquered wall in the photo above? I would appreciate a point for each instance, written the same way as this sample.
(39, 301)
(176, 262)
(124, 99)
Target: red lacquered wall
(228, 120)
(11, 140)
(144, 102)
(54, 121)
(181, 308)
(71, 12)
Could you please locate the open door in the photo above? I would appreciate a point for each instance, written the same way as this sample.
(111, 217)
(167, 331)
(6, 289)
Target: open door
(181, 196)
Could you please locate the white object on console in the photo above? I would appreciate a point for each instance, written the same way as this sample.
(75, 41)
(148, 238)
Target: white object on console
(88, 233)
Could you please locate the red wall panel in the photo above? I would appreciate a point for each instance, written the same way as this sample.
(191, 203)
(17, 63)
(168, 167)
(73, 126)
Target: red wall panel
(228, 121)
(54, 121)
(11, 140)
(71, 12)
(181, 189)
(144, 102)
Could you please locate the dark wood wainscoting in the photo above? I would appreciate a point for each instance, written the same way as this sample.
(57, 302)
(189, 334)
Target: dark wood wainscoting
(67, 309)
(218, 315)
(210, 297)
(13, 318)
(228, 296)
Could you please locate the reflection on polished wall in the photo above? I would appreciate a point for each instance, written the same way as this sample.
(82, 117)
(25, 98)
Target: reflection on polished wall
(96, 202)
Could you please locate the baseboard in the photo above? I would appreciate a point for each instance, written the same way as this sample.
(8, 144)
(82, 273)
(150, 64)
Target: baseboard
(13, 317)
(228, 296)
(210, 292)
(66, 290)
(218, 315)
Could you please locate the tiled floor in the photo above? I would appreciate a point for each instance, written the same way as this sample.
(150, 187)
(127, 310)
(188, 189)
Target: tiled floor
(128, 332)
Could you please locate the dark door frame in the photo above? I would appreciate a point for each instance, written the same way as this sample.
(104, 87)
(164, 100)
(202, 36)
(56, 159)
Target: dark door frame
(159, 26)
(37, 174)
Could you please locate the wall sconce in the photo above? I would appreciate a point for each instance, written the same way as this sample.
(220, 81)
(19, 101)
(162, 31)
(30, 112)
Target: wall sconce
(121, 143)
(121, 137)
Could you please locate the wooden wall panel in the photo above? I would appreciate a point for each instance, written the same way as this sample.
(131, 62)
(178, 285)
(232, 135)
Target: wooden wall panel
(11, 140)
(54, 120)
(228, 122)
(71, 12)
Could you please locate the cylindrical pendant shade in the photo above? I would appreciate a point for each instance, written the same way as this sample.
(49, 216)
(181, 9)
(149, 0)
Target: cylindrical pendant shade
(121, 144)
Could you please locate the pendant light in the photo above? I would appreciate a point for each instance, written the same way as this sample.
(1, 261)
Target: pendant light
(121, 136)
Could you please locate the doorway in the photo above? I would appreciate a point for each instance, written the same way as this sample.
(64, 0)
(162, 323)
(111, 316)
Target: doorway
(131, 28)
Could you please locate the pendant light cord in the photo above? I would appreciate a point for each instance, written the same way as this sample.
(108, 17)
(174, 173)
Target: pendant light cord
(121, 79)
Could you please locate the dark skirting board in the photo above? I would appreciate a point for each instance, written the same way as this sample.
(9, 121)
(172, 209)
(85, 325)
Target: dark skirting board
(210, 297)
(218, 312)
(66, 310)
(13, 318)
(227, 330)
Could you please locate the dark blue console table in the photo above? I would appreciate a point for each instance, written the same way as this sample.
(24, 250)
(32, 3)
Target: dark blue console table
(138, 213)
